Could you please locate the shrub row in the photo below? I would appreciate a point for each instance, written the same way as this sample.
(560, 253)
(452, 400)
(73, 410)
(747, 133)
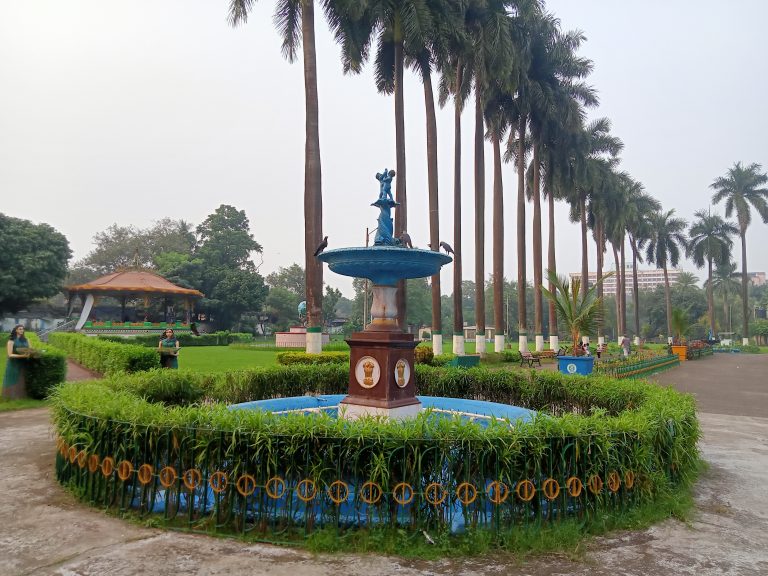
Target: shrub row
(185, 339)
(45, 372)
(103, 356)
(288, 358)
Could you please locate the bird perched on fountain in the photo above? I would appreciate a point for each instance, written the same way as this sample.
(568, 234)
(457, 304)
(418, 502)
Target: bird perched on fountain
(447, 247)
(405, 240)
(322, 246)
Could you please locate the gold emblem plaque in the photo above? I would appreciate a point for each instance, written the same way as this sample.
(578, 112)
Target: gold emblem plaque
(367, 372)
(402, 373)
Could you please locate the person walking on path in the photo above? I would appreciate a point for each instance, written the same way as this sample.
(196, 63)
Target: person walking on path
(169, 350)
(17, 349)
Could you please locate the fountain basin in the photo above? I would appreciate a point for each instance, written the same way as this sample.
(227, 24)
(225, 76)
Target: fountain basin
(478, 411)
(384, 265)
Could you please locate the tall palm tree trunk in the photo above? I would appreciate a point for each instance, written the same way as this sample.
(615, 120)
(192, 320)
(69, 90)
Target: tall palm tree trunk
(599, 261)
(667, 301)
(623, 293)
(744, 290)
(584, 253)
(538, 278)
(522, 320)
(710, 297)
(401, 213)
(434, 220)
(498, 245)
(618, 291)
(458, 314)
(552, 265)
(479, 225)
(313, 197)
(635, 287)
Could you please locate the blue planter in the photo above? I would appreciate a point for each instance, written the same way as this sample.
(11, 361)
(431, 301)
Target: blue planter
(576, 364)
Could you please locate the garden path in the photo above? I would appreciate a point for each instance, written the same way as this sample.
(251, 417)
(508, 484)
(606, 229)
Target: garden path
(44, 531)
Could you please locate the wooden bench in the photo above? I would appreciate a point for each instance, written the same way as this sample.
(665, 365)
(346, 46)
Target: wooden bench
(526, 356)
(546, 354)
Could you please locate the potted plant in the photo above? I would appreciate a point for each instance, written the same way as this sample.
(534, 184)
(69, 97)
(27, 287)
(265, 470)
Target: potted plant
(580, 313)
(680, 325)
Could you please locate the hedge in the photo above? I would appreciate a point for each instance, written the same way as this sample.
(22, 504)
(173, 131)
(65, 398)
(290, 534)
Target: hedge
(598, 449)
(288, 358)
(43, 373)
(103, 356)
(185, 339)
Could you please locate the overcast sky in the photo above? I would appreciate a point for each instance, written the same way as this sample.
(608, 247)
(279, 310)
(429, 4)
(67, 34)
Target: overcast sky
(129, 112)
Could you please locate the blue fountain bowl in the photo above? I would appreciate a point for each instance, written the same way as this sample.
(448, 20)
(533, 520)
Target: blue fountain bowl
(384, 265)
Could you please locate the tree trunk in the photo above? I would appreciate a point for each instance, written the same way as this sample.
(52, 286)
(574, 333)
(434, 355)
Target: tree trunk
(479, 223)
(432, 183)
(401, 212)
(552, 265)
(744, 288)
(599, 260)
(710, 298)
(623, 293)
(618, 289)
(458, 314)
(521, 280)
(538, 303)
(635, 294)
(584, 254)
(668, 301)
(313, 197)
(498, 239)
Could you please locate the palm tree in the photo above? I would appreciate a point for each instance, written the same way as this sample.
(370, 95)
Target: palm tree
(741, 188)
(640, 206)
(296, 23)
(666, 240)
(710, 241)
(725, 285)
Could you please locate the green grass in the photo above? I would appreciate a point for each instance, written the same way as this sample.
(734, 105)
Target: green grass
(224, 359)
(23, 404)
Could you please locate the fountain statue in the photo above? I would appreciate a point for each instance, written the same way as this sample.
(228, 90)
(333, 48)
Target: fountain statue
(381, 379)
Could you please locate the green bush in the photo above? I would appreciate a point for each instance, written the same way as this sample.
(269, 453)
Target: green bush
(423, 355)
(510, 356)
(45, 372)
(750, 349)
(289, 358)
(103, 356)
(441, 359)
(185, 339)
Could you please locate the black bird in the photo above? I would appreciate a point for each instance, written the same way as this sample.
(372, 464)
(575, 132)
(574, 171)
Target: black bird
(405, 240)
(447, 247)
(322, 246)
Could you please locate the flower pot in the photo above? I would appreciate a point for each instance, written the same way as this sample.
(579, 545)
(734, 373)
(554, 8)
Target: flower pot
(681, 351)
(575, 364)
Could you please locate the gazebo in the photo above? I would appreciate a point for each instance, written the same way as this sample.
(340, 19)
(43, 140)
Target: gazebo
(125, 285)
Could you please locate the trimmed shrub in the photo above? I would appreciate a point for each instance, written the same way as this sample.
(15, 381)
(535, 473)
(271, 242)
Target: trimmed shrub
(423, 355)
(510, 356)
(185, 339)
(289, 358)
(441, 359)
(103, 356)
(45, 372)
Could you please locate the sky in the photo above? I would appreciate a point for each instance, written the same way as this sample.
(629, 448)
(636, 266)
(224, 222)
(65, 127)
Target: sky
(130, 112)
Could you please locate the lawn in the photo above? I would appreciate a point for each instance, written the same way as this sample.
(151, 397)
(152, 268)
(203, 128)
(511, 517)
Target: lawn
(224, 359)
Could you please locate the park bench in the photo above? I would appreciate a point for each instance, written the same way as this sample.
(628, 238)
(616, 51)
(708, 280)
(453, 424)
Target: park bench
(526, 356)
(546, 354)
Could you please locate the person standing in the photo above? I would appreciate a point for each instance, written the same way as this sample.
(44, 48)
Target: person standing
(17, 349)
(625, 346)
(169, 358)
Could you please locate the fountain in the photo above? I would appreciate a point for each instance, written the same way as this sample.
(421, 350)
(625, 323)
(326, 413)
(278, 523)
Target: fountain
(381, 379)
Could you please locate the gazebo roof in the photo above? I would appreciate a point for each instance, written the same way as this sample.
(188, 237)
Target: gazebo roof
(133, 282)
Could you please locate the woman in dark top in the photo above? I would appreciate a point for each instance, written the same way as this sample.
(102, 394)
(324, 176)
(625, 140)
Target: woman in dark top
(169, 350)
(17, 349)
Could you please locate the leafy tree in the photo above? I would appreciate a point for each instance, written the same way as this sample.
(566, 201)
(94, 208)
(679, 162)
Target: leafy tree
(33, 262)
(330, 300)
(281, 307)
(125, 246)
(710, 241)
(291, 278)
(238, 291)
(743, 188)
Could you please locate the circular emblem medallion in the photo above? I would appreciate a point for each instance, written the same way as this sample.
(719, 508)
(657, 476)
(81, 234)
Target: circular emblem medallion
(402, 373)
(367, 372)
(571, 368)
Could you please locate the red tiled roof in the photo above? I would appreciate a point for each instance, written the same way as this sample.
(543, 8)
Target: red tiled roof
(137, 281)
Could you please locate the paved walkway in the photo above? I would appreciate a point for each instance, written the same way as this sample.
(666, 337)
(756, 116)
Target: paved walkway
(45, 531)
(76, 373)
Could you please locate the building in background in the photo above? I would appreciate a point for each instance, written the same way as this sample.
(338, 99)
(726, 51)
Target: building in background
(646, 279)
(757, 278)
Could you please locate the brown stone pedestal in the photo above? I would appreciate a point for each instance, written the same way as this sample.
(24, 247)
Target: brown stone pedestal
(381, 378)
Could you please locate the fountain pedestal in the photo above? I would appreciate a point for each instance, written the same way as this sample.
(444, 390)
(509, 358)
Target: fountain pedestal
(381, 378)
